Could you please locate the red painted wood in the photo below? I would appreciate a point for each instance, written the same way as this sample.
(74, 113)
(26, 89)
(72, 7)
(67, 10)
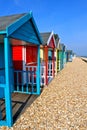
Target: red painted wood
(31, 54)
(46, 62)
(17, 57)
(51, 43)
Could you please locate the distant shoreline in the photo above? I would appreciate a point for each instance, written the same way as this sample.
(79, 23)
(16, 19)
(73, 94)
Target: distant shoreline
(84, 59)
(84, 56)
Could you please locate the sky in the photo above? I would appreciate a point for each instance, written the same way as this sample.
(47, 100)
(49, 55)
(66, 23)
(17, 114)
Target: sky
(67, 18)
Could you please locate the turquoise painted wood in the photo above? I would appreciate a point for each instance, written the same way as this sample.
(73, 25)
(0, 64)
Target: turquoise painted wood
(69, 56)
(61, 59)
(64, 59)
(37, 31)
(7, 86)
(20, 37)
(49, 55)
(30, 87)
(3, 123)
(2, 63)
(26, 35)
(18, 23)
(2, 32)
(38, 71)
(8, 101)
(11, 69)
(2, 71)
(6, 82)
(23, 29)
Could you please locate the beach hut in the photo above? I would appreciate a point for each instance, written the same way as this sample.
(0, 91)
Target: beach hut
(73, 55)
(61, 57)
(57, 39)
(64, 56)
(69, 55)
(17, 31)
(47, 56)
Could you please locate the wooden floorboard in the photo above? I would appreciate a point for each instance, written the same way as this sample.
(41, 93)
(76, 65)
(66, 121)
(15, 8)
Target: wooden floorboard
(19, 104)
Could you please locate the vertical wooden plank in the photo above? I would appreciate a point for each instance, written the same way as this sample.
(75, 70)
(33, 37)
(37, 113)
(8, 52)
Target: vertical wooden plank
(0, 112)
(32, 78)
(38, 71)
(27, 79)
(22, 80)
(53, 60)
(17, 81)
(56, 63)
(8, 102)
(46, 62)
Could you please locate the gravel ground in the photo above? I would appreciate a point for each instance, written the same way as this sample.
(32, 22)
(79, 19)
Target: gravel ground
(62, 105)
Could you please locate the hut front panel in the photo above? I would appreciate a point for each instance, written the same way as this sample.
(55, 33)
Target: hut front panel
(51, 43)
(41, 54)
(2, 62)
(2, 69)
(17, 57)
(31, 54)
(50, 54)
(58, 61)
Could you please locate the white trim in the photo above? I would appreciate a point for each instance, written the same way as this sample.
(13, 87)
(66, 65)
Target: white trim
(24, 63)
(54, 40)
(48, 41)
(23, 57)
(31, 63)
(25, 54)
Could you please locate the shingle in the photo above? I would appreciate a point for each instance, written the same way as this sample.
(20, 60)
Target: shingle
(7, 20)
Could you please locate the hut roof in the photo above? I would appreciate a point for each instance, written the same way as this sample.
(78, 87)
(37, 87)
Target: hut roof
(8, 20)
(45, 36)
(21, 27)
(61, 46)
(69, 51)
(57, 39)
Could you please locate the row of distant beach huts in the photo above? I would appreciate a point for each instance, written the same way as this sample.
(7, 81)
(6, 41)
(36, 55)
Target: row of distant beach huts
(28, 59)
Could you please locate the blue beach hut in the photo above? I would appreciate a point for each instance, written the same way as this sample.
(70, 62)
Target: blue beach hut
(21, 27)
(69, 55)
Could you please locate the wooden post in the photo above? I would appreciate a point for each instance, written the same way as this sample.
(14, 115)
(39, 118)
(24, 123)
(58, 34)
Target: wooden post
(38, 71)
(46, 62)
(53, 60)
(8, 102)
(56, 61)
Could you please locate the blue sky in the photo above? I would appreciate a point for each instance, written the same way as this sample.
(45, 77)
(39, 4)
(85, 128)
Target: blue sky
(67, 18)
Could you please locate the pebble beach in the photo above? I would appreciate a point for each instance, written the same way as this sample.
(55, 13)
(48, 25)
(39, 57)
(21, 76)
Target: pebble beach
(62, 105)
